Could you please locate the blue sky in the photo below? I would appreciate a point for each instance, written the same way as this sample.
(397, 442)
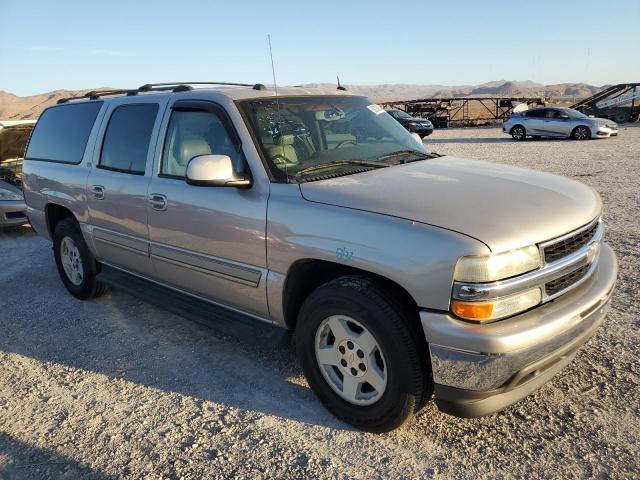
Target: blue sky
(52, 45)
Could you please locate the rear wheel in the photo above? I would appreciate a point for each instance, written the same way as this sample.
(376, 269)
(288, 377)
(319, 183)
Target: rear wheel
(76, 265)
(581, 133)
(621, 117)
(361, 355)
(518, 133)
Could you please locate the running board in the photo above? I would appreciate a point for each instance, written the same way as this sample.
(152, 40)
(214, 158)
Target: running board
(223, 320)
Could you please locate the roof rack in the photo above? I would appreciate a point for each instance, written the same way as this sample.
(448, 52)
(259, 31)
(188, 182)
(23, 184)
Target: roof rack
(156, 87)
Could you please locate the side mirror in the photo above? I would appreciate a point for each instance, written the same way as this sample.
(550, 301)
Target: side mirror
(214, 171)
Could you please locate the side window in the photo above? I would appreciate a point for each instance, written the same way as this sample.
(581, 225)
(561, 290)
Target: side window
(552, 113)
(62, 132)
(195, 132)
(536, 113)
(126, 141)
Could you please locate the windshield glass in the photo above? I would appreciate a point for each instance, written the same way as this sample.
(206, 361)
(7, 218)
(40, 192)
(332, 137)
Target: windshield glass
(401, 114)
(326, 133)
(571, 113)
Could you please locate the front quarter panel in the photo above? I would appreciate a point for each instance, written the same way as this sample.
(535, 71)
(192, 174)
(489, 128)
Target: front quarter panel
(420, 258)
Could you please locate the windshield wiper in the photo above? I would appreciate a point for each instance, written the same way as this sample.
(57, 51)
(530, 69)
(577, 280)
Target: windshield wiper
(338, 163)
(398, 153)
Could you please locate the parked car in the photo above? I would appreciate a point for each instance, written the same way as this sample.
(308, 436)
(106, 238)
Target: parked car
(421, 126)
(13, 141)
(401, 273)
(558, 122)
(13, 211)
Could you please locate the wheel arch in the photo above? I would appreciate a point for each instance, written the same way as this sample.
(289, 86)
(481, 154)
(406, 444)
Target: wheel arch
(305, 275)
(54, 213)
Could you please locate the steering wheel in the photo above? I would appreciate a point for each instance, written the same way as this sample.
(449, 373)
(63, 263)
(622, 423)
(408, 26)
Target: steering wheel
(345, 142)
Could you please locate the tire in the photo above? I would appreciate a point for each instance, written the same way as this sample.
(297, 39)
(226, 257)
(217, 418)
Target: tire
(398, 365)
(621, 117)
(76, 265)
(519, 133)
(581, 133)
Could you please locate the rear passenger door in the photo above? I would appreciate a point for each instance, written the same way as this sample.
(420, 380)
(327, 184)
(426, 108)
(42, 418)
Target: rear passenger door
(206, 240)
(118, 183)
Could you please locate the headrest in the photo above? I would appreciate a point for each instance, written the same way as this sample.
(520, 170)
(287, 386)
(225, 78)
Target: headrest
(192, 148)
(287, 139)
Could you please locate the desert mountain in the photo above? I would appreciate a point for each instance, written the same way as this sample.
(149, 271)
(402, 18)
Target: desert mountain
(13, 107)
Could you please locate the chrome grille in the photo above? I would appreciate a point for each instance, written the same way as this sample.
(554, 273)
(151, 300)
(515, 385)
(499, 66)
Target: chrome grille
(560, 284)
(568, 245)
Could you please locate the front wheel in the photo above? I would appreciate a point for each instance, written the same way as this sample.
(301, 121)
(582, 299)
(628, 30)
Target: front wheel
(518, 133)
(76, 266)
(581, 133)
(361, 354)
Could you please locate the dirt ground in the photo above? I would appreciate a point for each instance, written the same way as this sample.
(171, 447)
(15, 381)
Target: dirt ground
(117, 388)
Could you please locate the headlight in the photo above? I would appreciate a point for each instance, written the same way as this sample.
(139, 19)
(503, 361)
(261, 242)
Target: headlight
(498, 308)
(9, 195)
(488, 268)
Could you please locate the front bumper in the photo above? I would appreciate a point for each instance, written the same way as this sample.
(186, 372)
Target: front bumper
(603, 132)
(13, 213)
(480, 369)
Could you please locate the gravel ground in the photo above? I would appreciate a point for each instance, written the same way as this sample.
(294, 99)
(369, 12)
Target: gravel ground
(118, 388)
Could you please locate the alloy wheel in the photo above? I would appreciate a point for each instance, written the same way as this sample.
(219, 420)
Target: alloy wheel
(351, 360)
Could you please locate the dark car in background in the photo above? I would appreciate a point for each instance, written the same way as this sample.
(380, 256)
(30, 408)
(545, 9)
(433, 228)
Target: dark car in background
(421, 126)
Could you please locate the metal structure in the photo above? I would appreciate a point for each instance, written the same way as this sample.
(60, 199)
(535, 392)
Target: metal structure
(456, 110)
(620, 103)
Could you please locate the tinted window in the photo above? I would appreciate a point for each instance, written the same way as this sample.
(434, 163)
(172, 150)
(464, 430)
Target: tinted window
(62, 132)
(536, 113)
(126, 142)
(552, 113)
(193, 133)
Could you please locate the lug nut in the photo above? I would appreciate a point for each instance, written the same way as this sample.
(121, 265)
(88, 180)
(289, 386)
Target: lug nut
(360, 354)
(354, 371)
(362, 367)
(343, 362)
(350, 345)
(341, 348)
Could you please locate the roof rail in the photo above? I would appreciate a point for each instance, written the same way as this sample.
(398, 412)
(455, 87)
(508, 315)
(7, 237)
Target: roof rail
(156, 87)
(94, 95)
(185, 85)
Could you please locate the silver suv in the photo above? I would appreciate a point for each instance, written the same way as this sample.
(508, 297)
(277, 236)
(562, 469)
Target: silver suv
(402, 273)
(558, 122)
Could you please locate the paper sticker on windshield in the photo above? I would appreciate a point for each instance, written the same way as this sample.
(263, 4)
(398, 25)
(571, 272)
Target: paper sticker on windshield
(377, 109)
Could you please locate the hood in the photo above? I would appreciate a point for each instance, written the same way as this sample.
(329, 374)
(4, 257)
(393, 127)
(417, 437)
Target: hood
(504, 207)
(602, 121)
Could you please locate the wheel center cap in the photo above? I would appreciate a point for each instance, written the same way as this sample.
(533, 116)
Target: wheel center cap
(352, 358)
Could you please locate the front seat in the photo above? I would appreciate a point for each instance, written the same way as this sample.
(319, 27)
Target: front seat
(187, 149)
(284, 153)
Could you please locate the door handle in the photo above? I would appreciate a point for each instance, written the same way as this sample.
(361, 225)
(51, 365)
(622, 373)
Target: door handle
(158, 201)
(97, 192)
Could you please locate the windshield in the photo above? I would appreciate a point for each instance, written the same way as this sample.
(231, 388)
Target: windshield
(327, 134)
(401, 114)
(571, 113)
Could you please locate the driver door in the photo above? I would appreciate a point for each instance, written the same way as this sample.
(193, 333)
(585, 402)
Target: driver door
(207, 240)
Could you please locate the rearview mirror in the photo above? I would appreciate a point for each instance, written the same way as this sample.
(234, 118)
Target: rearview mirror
(214, 171)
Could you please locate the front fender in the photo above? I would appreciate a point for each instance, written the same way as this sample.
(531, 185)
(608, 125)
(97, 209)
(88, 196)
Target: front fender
(419, 257)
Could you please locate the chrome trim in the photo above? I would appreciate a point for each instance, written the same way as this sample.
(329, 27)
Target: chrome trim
(206, 264)
(120, 240)
(537, 278)
(572, 233)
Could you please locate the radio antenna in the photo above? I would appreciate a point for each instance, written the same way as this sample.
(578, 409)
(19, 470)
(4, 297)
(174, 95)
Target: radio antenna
(273, 71)
(275, 87)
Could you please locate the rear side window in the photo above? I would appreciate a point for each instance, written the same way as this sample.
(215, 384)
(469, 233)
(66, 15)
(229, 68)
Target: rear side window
(126, 141)
(62, 132)
(536, 113)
